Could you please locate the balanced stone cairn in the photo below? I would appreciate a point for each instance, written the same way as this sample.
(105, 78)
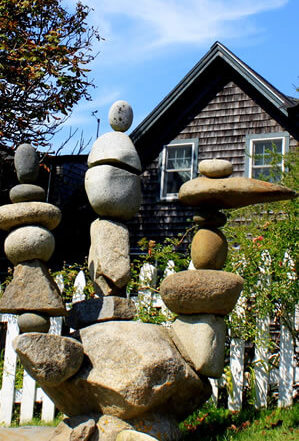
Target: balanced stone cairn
(202, 297)
(32, 293)
(122, 380)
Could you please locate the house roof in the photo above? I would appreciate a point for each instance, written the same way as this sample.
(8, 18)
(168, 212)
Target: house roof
(218, 66)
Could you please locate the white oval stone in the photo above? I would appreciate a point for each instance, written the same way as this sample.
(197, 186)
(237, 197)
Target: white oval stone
(113, 192)
(120, 116)
(215, 168)
(28, 243)
(114, 148)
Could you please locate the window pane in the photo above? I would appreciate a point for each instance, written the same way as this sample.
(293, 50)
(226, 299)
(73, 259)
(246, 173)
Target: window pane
(270, 174)
(179, 157)
(261, 149)
(174, 180)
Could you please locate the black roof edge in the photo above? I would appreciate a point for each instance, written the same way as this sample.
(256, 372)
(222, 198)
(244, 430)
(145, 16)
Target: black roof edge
(278, 99)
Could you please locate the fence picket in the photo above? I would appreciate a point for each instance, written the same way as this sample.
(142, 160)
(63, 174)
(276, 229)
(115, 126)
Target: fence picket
(261, 363)
(28, 398)
(237, 349)
(9, 369)
(286, 368)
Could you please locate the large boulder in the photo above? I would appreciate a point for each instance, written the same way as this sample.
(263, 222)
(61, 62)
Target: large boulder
(130, 369)
(201, 291)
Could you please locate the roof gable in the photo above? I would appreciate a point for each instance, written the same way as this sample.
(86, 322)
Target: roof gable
(213, 71)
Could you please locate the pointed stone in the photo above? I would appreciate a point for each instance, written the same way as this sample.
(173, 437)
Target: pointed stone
(32, 289)
(50, 359)
(231, 192)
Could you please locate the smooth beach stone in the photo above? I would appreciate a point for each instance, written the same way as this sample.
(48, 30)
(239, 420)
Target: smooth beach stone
(200, 338)
(210, 218)
(29, 243)
(120, 116)
(130, 369)
(26, 162)
(50, 359)
(231, 192)
(209, 249)
(31, 322)
(27, 193)
(32, 289)
(112, 192)
(29, 213)
(109, 252)
(201, 291)
(215, 168)
(115, 148)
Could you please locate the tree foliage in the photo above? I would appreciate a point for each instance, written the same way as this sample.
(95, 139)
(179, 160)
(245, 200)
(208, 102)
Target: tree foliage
(44, 53)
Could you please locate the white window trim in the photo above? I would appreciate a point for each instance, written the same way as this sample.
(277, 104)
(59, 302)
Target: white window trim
(178, 143)
(266, 137)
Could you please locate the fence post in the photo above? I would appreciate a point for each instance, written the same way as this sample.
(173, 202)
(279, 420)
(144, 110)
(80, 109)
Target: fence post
(237, 349)
(286, 367)
(9, 369)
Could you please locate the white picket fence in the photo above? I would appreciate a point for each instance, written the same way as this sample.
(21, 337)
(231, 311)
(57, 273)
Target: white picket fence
(284, 377)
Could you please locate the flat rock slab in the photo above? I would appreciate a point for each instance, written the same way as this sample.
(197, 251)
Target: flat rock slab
(201, 291)
(129, 369)
(109, 253)
(26, 433)
(32, 289)
(231, 192)
(49, 358)
(98, 310)
(29, 213)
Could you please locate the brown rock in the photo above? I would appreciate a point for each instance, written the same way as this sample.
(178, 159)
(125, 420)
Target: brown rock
(201, 291)
(209, 249)
(30, 322)
(32, 289)
(109, 255)
(79, 428)
(49, 358)
(160, 425)
(130, 368)
(215, 168)
(29, 213)
(133, 435)
(210, 218)
(200, 338)
(109, 426)
(231, 192)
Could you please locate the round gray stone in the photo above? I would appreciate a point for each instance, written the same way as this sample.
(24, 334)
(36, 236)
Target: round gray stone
(120, 116)
(28, 243)
(114, 148)
(26, 163)
(31, 322)
(29, 213)
(113, 192)
(215, 168)
(27, 193)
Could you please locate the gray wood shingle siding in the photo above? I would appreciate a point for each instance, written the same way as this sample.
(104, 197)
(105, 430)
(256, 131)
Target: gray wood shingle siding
(221, 128)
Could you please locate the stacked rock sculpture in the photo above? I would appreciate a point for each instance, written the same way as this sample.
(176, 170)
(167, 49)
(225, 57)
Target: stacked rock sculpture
(32, 294)
(137, 378)
(202, 297)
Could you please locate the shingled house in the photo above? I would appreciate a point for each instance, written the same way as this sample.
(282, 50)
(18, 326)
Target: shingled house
(221, 109)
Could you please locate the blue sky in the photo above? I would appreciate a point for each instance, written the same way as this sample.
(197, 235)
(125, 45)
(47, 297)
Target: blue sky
(151, 44)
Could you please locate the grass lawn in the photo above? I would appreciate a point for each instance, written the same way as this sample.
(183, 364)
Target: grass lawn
(211, 424)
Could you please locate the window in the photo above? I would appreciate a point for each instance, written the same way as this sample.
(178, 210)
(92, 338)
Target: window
(259, 160)
(179, 164)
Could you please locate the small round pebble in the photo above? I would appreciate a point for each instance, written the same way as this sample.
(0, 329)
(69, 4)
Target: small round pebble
(31, 322)
(26, 162)
(215, 168)
(120, 116)
(27, 193)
